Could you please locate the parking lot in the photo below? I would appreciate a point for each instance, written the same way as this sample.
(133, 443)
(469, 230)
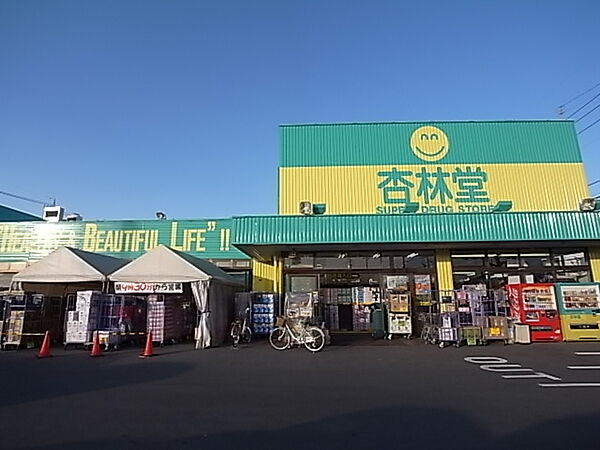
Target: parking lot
(354, 394)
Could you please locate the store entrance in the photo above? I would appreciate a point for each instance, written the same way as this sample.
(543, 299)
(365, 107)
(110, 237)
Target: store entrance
(352, 296)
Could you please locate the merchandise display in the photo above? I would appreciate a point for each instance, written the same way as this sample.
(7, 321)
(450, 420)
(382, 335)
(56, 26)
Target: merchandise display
(28, 317)
(349, 308)
(263, 312)
(398, 306)
(471, 316)
(116, 318)
(399, 324)
(165, 318)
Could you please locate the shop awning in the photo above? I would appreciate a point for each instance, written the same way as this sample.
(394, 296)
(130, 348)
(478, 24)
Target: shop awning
(70, 265)
(264, 236)
(162, 264)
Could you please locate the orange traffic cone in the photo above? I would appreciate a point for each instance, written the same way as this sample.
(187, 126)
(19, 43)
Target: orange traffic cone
(45, 348)
(96, 349)
(148, 351)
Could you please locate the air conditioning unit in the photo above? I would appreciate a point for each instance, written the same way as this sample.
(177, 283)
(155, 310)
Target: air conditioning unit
(587, 204)
(74, 217)
(53, 213)
(306, 208)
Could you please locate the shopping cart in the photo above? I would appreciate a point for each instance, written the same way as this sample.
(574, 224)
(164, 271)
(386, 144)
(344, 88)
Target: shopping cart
(489, 312)
(469, 333)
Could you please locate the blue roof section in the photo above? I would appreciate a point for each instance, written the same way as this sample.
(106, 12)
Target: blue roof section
(8, 214)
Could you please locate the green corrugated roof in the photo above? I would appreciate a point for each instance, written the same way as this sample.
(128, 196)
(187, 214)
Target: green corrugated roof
(416, 228)
(498, 142)
(14, 215)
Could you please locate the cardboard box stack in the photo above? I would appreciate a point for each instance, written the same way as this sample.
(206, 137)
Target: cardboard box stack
(165, 318)
(82, 321)
(361, 318)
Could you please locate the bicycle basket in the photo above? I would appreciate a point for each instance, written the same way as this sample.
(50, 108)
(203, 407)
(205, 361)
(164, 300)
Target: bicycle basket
(279, 321)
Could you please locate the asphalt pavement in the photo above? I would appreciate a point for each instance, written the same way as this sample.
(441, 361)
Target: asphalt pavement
(354, 394)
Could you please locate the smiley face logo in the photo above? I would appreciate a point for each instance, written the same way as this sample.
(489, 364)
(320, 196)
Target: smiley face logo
(429, 143)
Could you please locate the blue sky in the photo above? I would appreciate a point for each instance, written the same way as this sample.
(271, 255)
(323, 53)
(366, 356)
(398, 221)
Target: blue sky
(122, 108)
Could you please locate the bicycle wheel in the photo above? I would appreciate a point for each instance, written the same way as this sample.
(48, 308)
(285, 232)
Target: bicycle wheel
(315, 339)
(279, 339)
(235, 333)
(246, 335)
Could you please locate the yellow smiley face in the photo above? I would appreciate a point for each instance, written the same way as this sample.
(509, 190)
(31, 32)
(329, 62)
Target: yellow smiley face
(429, 143)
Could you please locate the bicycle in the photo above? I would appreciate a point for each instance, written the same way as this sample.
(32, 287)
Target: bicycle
(290, 332)
(240, 331)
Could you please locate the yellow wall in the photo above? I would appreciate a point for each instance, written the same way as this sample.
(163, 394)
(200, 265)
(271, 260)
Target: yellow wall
(443, 267)
(594, 253)
(353, 189)
(267, 277)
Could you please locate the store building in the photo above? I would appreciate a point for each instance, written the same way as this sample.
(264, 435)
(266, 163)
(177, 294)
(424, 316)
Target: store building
(363, 208)
(434, 206)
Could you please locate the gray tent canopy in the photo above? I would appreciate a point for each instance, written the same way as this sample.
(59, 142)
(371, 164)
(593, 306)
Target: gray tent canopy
(70, 265)
(213, 289)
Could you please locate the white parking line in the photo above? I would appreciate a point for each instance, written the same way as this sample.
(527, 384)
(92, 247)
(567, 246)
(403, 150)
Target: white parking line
(587, 353)
(583, 367)
(567, 385)
(533, 375)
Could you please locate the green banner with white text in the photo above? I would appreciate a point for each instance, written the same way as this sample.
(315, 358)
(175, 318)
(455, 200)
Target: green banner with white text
(203, 238)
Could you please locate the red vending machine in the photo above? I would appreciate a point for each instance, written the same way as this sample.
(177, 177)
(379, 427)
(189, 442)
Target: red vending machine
(535, 305)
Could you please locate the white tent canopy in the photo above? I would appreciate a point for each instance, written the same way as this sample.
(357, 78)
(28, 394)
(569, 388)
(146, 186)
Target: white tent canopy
(70, 265)
(213, 289)
(165, 265)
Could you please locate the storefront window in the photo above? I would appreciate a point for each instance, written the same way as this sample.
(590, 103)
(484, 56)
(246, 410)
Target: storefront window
(381, 262)
(503, 259)
(418, 261)
(497, 280)
(470, 260)
(398, 262)
(302, 283)
(464, 278)
(570, 258)
(299, 261)
(573, 276)
(358, 262)
(332, 262)
(533, 260)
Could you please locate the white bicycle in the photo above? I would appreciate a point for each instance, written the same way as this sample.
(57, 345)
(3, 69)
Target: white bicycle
(292, 332)
(240, 331)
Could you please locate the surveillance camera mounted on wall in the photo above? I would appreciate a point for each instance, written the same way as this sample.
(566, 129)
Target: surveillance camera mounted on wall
(306, 208)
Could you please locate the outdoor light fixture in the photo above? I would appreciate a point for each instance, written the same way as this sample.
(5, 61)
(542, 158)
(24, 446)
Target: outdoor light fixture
(587, 204)
(412, 255)
(342, 255)
(376, 255)
(160, 215)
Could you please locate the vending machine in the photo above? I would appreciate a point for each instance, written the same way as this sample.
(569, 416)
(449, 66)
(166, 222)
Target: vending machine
(579, 307)
(534, 304)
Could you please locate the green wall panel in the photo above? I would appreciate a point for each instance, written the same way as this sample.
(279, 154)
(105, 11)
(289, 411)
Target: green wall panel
(359, 144)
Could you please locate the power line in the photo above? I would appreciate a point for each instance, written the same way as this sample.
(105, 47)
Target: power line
(587, 103)
(594, 182)
(580, 95)
(39, 202)
(588, 113)
(589, 126)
